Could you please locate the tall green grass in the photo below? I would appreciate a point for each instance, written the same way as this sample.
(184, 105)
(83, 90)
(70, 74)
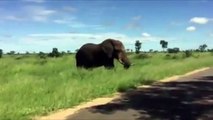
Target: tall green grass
(31, 86)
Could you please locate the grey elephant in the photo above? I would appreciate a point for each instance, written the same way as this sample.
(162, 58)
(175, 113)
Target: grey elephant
(94, 55)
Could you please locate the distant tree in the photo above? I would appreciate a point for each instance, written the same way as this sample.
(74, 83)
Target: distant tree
(210, 50)
(68, 51)
(202, 47)
(1, 53)
(188, 53)
(164, 44)
(63, 53)
(54, 53)
(42, 55)
(151, 50)
(11, 53)
(173, 50)
(27, 53)
(137, 46)
(127, 50)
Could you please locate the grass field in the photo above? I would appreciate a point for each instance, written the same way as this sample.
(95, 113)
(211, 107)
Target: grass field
(31, 86)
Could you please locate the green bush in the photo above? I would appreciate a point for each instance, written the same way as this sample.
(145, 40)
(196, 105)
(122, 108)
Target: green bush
(142, 56)
(172, 56)
(187, 54)
(42, 55)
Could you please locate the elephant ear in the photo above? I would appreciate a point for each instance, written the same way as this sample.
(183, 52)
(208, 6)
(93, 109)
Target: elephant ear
(108, 48)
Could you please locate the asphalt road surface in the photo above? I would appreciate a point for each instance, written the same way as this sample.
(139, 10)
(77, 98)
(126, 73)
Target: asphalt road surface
(188, 98)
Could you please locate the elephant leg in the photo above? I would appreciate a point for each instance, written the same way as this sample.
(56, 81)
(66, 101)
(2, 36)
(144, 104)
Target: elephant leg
(109, 64)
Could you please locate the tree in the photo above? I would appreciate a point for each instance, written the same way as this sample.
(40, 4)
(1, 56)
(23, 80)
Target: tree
(127, 50)
(210, 50)
(27, 53)
(42, 55)
(1, 53)
(151, 50)
(68, 52)
(164, 44)
(188, 53)
(137, 46)
(54, 53)
(11, 53)
(202, 47)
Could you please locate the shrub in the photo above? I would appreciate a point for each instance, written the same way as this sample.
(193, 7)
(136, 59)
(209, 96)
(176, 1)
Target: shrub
(196, 56)
(172, 56)
(20, 57)
(143, 56)
(42, 55)
(187, 53)
(173, 50)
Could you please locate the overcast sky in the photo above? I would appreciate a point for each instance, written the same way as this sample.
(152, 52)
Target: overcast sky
(40, 25)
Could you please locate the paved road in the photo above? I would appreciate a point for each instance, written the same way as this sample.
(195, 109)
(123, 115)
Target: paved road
(188, 98)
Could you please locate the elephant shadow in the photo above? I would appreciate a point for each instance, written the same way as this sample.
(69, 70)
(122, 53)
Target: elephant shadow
(179, 100)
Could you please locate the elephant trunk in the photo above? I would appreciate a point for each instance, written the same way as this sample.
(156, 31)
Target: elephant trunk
(124, 60)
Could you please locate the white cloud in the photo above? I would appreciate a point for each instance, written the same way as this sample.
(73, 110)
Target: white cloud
(38, 13)
(35, 1)
(58, 21)
(175, 23)
(77, 24)
(191, 28)
(69, 9)
(44, 12)
(13, 18)
(199, 20)
(73, 23)
(134, 23)
(137, 18)
(146, 35)
(30, 13)
(72, 41)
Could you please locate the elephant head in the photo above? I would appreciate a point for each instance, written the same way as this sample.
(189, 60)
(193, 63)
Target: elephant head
(115, 49)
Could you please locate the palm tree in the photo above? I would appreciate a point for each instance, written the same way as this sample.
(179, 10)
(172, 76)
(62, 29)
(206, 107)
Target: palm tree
(164, 44)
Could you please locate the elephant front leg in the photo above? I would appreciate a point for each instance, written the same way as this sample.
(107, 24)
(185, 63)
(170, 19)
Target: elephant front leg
(109, 64)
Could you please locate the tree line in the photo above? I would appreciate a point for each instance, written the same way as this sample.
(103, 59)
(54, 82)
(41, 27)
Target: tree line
(138, 45)
(164, 45)
(54, 53)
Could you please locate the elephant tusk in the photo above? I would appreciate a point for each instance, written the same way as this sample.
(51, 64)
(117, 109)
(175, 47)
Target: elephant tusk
(120, 61)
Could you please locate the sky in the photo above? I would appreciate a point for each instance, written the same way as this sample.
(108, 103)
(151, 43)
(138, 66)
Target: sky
(40, 25)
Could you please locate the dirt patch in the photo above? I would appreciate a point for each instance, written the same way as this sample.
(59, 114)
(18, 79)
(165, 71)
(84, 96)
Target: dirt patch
(64, 113)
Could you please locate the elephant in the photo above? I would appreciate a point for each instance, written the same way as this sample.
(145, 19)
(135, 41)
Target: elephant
(95, 55)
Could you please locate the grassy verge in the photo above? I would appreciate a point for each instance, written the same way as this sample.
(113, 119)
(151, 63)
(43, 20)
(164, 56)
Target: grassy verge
(31, 86)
